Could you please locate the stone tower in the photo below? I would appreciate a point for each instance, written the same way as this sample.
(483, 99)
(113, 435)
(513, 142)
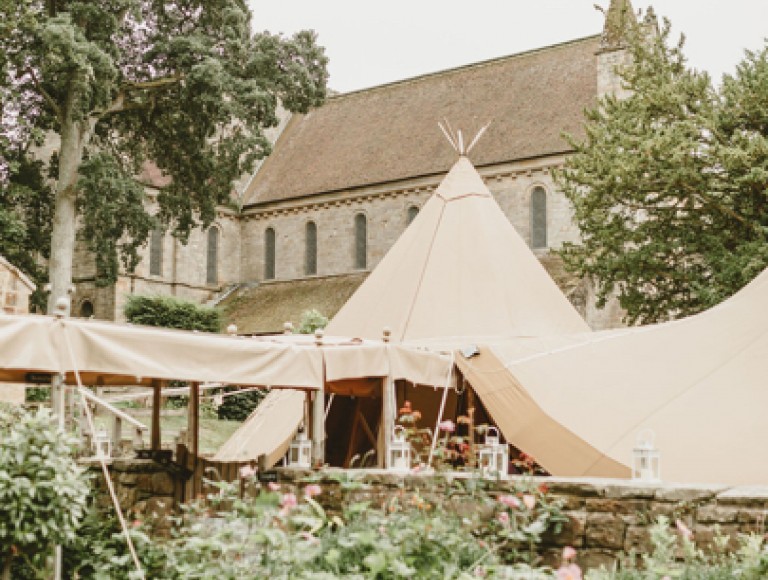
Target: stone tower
(619, 19)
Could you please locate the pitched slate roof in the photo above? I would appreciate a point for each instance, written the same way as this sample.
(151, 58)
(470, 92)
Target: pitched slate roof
(390, 132)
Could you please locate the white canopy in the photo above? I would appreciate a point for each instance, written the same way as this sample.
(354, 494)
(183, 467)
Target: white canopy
(578, 403)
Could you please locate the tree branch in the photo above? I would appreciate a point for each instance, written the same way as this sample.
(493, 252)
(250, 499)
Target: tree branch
(48, 98)
(119, 102)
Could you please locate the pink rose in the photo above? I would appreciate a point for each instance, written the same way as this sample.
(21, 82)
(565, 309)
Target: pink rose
(529, 501)
(569, 572)
(503, 518)
(510, 501)
(247, 471)
(312, 490)
(569, 553)
(447, 426)
(272, 486)
(288, 501)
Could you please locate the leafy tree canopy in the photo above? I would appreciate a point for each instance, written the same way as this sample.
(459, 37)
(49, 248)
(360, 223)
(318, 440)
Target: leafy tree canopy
(670, 184)
(183, 84)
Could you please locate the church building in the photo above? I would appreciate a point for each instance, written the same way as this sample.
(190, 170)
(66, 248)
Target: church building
(346, 179)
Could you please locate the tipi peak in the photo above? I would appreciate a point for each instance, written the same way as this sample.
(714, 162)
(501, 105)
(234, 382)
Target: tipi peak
(456, 138)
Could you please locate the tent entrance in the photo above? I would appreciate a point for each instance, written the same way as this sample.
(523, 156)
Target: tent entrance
(353, 423)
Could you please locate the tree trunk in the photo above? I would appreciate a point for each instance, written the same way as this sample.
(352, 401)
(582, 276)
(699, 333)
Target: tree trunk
(74, 137)
(7, 567)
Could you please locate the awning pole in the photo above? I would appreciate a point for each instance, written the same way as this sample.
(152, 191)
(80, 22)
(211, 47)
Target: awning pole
(440, 414)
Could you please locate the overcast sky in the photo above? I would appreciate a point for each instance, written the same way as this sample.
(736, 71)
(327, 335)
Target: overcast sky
(371, 42)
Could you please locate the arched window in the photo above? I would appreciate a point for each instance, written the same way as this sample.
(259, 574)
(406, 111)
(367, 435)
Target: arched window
(86, 309)
(156, 252)
(310, 249)
(212, 263)
(413, 211)
(269, 254)
(539, 218)
(361, 241)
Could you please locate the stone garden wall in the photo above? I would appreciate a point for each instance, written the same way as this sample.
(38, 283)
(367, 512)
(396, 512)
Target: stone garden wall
(606, 518)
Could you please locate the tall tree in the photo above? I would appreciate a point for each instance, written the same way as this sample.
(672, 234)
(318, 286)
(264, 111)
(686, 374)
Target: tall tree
(181, 83)
(669, 213)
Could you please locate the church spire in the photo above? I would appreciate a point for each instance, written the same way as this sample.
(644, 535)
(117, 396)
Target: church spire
(619, 17)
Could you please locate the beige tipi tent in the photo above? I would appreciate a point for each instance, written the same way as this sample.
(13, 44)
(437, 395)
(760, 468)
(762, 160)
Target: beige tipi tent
(460, 271)
(700, 384)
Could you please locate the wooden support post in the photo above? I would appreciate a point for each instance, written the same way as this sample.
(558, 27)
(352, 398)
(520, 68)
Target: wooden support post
(471, 414)
(156, 436)
(318, 428)
(193, 432)
(387, 417)
(117, 434)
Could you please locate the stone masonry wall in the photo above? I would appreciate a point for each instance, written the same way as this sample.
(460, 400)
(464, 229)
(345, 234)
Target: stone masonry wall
(607, 518)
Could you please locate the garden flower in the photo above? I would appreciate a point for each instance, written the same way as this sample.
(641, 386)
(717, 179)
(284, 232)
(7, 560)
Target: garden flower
(569, 553)
(569, 572)
(529, 501)
(289, 501)
(447, 426)
(509, 501)
(503, 518)
(406, 408)
(247, 471)
(312, 490)
(273, 486)
(416, 415)
(684, 530)
(309, 537)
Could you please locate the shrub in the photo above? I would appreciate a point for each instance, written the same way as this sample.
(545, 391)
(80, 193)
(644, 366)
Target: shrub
(311, 320)
(172, 312)
(238, 407)
(43, 492)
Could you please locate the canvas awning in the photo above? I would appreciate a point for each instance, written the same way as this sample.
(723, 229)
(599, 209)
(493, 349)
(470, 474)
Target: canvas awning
(110, 353)
(578, 403)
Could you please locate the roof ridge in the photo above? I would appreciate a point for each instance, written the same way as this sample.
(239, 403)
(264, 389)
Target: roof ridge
(463, 67)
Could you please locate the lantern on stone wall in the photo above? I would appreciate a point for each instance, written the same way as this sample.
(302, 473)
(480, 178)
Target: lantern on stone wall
(300, 452)
(493, 455)
(646, 459)
(102, 444)
(399, 450)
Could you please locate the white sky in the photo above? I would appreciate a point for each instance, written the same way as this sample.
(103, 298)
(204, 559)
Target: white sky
(371, 42)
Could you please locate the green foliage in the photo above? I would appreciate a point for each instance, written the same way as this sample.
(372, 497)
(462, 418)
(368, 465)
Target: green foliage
(43, 492)
(311, 320)
(239, 407)
(669, 185)
(418, 533)
(171, 312)
(675, 555)
(186, 85)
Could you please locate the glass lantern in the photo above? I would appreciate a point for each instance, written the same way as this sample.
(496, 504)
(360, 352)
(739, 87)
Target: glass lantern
(493, 455)
(399, 451)
(300, 452)
(102, 444)
(646, 459)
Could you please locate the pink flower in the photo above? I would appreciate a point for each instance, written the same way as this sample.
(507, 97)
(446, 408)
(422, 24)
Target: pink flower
(510, 501)
(312, 490)
(447, 426)
(529, 501)
(309, 537)
(247, 471)
(503, 518)
(272, 486)
(684, 530)
(288, 501)
(569, 553)
(569, 572)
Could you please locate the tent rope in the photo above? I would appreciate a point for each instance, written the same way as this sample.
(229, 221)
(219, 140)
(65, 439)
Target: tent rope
(102, 461)
(440, 413)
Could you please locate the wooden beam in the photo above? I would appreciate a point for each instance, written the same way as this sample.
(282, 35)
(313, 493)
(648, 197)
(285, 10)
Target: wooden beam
(193, 419)
(156, 436)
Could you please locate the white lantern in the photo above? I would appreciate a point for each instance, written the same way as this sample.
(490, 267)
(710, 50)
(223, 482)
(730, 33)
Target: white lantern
(300, 452)
(102, 444)
(399, 451)
(646, 459)
(493, 456)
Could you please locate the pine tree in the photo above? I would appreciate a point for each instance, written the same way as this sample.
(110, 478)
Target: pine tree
(661, 189)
